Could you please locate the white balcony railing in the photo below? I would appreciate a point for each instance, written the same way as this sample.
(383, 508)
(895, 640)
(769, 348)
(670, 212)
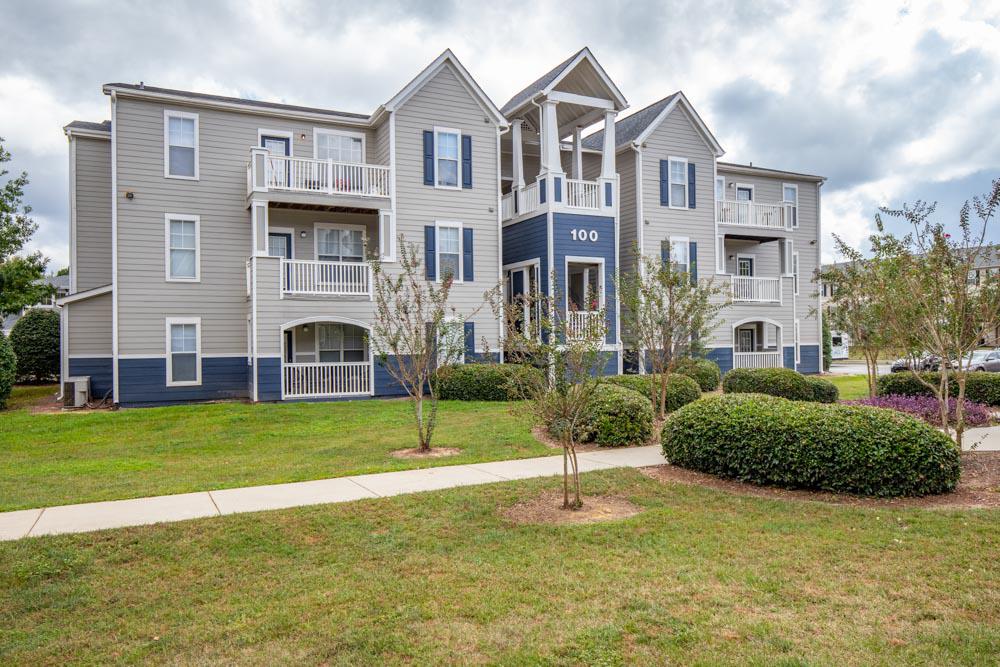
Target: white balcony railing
(302, 276)
(507, 206)
(295, 174)
(585, 324)
(757, 360)
(315, 380)
(754, 214)
(756, 290)
(582, 194)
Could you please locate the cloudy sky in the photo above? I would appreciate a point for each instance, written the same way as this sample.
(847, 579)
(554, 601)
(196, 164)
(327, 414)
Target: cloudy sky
(892, 101)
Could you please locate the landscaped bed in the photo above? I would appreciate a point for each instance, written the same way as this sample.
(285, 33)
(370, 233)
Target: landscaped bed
(698, 576)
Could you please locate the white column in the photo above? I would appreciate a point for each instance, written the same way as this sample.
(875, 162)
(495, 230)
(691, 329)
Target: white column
(577, 171)
(608, 152)
(550, 138)
(518, 168)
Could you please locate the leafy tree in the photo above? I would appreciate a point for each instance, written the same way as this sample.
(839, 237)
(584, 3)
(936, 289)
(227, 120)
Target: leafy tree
(8, 370)
(827, 345)
(19, 275)
(35, 339)
(667, 316)
(64, 271)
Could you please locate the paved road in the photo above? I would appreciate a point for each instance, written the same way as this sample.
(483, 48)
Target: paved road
(853, 367)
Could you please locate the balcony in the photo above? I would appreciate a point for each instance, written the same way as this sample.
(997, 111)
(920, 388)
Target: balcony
(315, 278)
(757, 360)
(747, 289)
(754, 214)
(324, 380)
(585, 324)
(570, 194)
(277, 173)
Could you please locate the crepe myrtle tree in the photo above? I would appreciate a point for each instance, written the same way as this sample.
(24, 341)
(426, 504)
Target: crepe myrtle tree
(667, 315)
(415, 331)
(20, 275)
(934, 298)
(572, 354)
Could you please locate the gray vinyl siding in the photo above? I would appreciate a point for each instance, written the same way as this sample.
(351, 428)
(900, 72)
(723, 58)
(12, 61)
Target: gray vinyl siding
(92, 262)
(627, 232)
(218, 197)
(89, 326)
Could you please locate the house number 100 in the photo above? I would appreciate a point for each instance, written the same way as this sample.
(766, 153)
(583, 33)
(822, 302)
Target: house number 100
(584, 235)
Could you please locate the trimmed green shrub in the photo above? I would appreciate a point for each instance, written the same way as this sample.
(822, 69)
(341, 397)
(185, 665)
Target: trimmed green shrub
(824, 391)
(485, 382)
(617, 417)
(980, 387)
(706, 373)
(8, 369)
(799, 445)
(35, 339)
(681, 389)
(783, 382)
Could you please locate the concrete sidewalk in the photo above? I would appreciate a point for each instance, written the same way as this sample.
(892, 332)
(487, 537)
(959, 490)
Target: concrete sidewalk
(141, 511)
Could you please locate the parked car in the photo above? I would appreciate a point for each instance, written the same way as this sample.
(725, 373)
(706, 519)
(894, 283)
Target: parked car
(921, 363)
(984, 360)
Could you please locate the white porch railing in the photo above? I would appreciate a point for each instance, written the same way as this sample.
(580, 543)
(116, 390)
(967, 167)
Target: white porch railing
(317, 380)
(528, 201)
(295, 174)
(507, 206)
(303, 276)
(753, 214)
(585, 324)
(582, 194)
(757, 360)
(759, 290)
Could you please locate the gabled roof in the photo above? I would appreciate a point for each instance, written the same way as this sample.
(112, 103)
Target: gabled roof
(546, 82)
(447, 57)
(636, 128)
(86, 128)
(752, 170)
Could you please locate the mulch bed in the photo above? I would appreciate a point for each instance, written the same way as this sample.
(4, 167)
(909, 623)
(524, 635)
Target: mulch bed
(432, 453)
(547, 509)
(978, 487)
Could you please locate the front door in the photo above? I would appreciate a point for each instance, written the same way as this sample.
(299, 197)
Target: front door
(279, 244)
(745, 340)
(744, 266)
(289, 347)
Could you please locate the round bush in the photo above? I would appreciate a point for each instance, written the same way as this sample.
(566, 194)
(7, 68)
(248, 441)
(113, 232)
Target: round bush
(8, 369)
(980, 387)
(824, 391)
(35, 339)
(617, 417)
(783, 382)
(798, 445)
(681, 389)
(486, 382)
(706, 373)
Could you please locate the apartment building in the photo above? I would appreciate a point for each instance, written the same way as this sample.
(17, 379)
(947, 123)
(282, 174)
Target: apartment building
(219, 245)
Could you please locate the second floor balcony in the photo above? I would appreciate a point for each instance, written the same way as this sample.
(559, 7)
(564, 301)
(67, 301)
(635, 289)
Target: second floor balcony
(267, 172)
(750, 289)
(572, 194)
(317, 278)
(755, 214)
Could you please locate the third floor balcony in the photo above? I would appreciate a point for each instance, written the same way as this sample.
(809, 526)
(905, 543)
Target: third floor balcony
(322, 181)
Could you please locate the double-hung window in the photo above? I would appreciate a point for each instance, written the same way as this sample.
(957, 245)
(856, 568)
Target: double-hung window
(447, 157)
(790, 197)
(720, 188)
(678, 183)
(183, 351)
(679, 255)
(449, 251)
(451, 341)
(180, 144)
(339, 146)
(183, 247)
(340, 343)
(340, 243)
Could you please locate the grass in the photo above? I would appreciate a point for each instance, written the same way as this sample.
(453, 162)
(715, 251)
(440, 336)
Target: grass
(851, 386)
(700, 577)
(54, 459)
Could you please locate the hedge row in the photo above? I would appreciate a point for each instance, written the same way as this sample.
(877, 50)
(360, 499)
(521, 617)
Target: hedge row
(486, 382)
(681, 389)
(803, 445)
(706, 373)
(8, 369)
(781, 382)
(980, 387)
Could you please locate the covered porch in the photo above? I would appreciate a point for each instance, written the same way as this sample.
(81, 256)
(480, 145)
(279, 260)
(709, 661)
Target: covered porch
(757, 343)
(326, 358)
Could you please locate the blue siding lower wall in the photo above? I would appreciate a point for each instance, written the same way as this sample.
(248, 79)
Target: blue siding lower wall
(789, 357)
(527, 240)
(808, 359)
(269, 379)
(723, 356)
(611, 368)
(144, 381)
(564, 245)
(101, 374)
(385, 384)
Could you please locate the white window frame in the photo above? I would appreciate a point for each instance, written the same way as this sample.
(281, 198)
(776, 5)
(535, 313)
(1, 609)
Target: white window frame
(753, 264)
(437, 156)
(795, 202)
(317, 131)
(671, 240)
(797, 333)
(795, 273)
(720, 243)
(333, 225)
(170, 321)
(167, 115)
(387, 235)
(789, 253)
(744, 186)
(670, 183)
(364, 348)
(167, 218)
(721, 195)
(450, 320)
(451, 224)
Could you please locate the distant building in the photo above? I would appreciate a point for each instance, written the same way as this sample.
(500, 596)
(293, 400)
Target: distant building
(61, 286)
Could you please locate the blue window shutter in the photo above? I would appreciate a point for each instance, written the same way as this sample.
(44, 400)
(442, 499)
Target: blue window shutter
(470, 341)
(664, 182)
(693, 261)
(430, 263)
(607, 194)
(541, 191)
(557, 189)
(467, 272)
(691, 182)
(466, 161)
(428, 157)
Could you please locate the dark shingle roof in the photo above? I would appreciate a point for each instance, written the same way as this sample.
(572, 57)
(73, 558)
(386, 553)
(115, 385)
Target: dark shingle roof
(630, 127)
(103, 126)
(536, 86)
(237, 100)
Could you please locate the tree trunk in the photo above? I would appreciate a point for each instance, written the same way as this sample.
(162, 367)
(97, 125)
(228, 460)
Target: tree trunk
(421, 435)
(565, 444)
(960, 413)
(577, 502)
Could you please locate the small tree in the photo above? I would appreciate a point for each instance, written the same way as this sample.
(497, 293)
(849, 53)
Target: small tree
(666, 316)
(827, 345)
(35, 339)
(20, 277)
(574, 359)
(934, 299)
(413, 333)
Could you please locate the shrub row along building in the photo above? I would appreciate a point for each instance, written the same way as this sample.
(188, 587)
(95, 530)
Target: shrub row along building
(219, 245)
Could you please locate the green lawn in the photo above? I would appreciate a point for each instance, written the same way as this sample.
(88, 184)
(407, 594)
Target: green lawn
(851, 386)
(700, 577)
(53, 459)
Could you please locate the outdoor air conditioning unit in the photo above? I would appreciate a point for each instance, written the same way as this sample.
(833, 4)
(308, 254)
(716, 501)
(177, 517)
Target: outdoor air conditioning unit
(76, 392)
